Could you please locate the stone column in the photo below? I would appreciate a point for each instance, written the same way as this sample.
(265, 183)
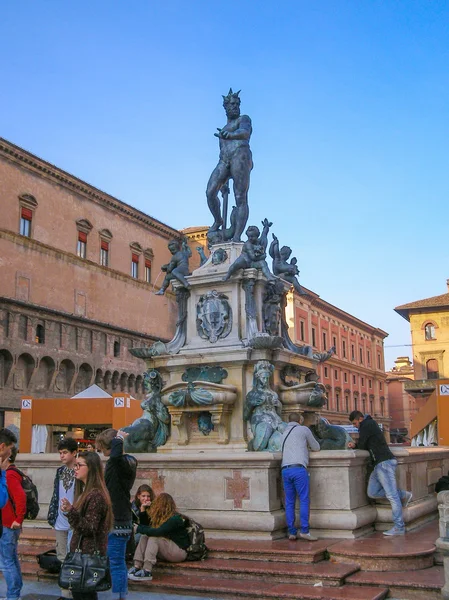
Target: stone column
(442, 542)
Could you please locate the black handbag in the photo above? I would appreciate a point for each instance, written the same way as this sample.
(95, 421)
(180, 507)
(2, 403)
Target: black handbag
(85, 572)
(49, 561)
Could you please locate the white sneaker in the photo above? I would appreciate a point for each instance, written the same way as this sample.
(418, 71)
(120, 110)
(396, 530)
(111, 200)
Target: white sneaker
(394, 531)
(308, 536)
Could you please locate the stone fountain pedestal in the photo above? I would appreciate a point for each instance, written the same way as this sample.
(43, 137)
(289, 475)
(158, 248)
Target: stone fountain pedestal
(224, 337)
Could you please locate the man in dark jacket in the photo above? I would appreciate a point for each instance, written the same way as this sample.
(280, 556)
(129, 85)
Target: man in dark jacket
(120, 473)
(382, 482)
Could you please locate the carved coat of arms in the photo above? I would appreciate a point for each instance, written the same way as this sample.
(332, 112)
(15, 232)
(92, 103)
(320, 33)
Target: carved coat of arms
(213, 316)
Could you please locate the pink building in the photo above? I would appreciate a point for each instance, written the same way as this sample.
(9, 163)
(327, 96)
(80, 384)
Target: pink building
(355, 376)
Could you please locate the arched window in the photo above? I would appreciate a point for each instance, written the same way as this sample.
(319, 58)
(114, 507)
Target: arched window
(40, 334)
(116, 349)
(432, 369)
(429, 331)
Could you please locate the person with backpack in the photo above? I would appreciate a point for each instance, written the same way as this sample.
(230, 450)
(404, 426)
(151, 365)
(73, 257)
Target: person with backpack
(13, 515)
(64, 487)
(166, 537)
(296, 441)
(120, 474)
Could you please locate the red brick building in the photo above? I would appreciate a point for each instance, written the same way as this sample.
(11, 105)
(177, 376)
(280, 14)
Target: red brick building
(77, 272)
(355, 376)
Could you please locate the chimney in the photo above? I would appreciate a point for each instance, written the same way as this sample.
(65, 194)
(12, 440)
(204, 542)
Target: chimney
(447, 283)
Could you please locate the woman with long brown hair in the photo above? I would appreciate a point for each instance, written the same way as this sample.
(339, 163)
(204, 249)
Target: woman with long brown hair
(91, 515)
(166, 537)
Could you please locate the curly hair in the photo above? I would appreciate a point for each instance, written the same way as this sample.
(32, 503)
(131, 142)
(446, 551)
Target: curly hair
(161, 509)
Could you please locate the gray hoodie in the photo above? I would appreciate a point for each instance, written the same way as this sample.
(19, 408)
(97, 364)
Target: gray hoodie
(296, 448)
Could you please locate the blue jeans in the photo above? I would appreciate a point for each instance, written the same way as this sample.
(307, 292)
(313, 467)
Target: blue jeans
(382, 484)
(117, 563)
(9, 562)
(296, 483)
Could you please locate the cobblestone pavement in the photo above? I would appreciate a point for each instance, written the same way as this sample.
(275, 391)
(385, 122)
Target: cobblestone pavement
(50, 591)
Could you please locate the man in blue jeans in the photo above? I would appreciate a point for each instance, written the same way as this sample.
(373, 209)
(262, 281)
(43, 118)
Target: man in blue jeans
(296, 441)
(382, 481)
(119, 474)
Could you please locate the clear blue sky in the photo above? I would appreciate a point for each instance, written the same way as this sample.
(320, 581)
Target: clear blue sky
(350, 108)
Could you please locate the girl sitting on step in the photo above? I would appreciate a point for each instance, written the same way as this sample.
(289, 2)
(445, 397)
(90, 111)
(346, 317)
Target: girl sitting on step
(166, 537)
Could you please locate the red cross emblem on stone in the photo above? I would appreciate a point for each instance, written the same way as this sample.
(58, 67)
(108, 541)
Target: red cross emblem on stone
(156, 481)
(237, 488)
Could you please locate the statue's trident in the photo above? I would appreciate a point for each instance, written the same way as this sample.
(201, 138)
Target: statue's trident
(224, 190)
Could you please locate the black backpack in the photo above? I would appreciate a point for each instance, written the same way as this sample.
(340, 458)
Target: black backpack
(197, 549)
(31, 493)
(442, 484)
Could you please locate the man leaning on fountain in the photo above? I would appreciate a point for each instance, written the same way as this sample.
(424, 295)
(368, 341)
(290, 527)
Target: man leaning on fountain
(382, 481)
(296, 441)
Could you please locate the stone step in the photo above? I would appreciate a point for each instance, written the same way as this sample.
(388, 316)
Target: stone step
(326, 573)
(278, 550)
(36, 524)
(38, 537)
(407, 585)
(238, 589)
(234, 589)
(380, 553)
(29, 552)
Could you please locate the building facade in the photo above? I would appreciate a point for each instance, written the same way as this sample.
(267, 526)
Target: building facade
(78, 269)
(429, 327)
(418, 404)
(354, 376)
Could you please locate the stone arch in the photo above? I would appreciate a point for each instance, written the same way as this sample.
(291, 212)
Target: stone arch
(45, 374)
(6, 363)
(115, 379)
(99, 379)
(106, 234)
(84, 225)
(28, 200)
(124, 382)
(64, 378)
(23, 372)
(107, 380)
(432, 369)
(139, 387)
(84, 378)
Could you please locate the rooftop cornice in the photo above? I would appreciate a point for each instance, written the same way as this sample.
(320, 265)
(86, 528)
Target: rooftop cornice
(47, 170)
(318, 302)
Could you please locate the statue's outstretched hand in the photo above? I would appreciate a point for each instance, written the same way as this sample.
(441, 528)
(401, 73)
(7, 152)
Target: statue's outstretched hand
(274, 237)
(222, 134)
(266, 223)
